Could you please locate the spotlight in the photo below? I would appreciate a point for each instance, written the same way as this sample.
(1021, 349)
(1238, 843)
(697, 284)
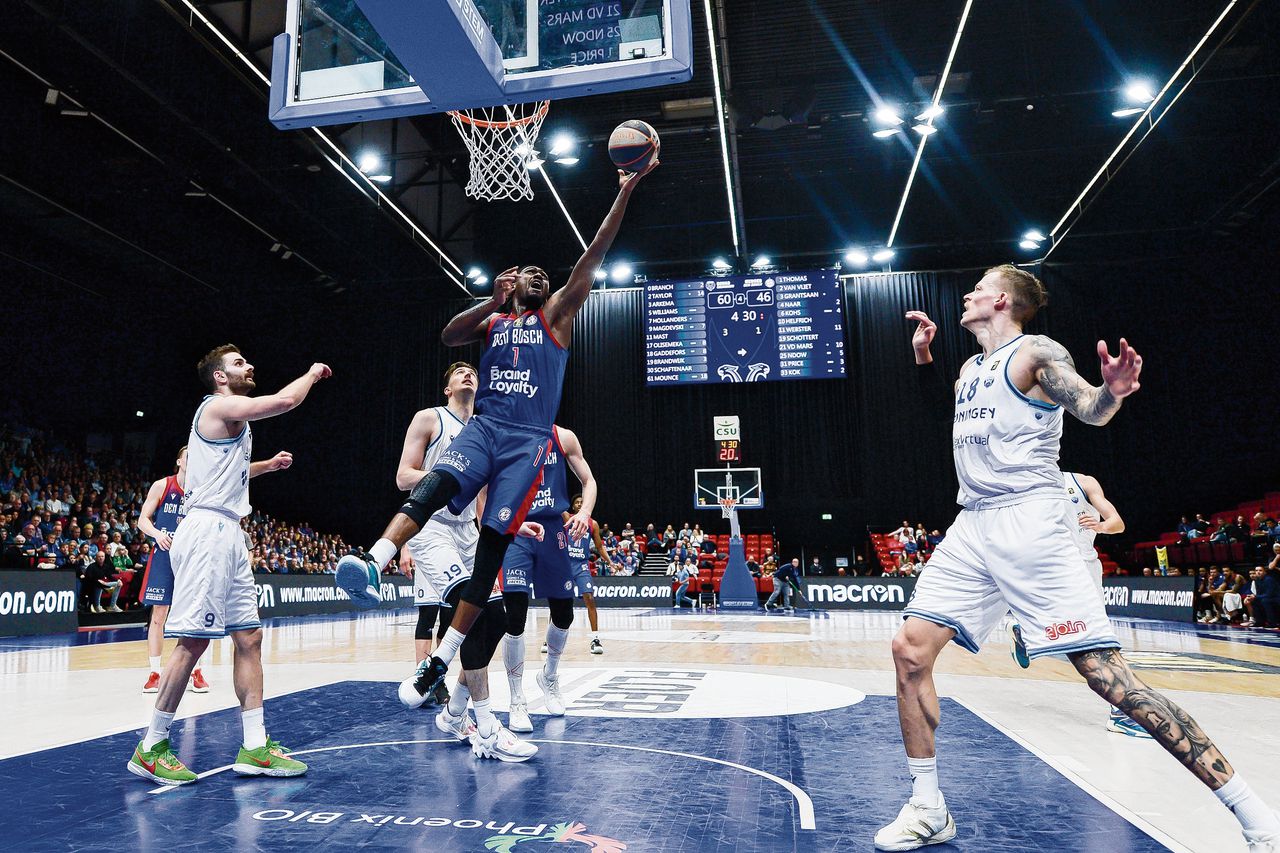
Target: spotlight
(886, 133)
(534, 163)
(1139, 92)
(857, 257)
(1126, 112)
(601, 275)
(381, 178)
(481, 280)
(566, 161)
(369, 162)
(1034, 234)
(288, 253)
(887, 115)
(562, 143)
(721, 264)
(761, 262)
(621, 272)
(474, 272)
(931, 112)
(1029, 245)
(138, 413)
(883, 255)
(924, 129)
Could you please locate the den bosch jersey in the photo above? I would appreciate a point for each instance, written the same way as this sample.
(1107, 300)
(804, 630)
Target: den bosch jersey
(578, 548)
(521, 371)
(171, 510)
(218, 470)
(450, 426)
(1083, 536)
(552, 498)
(1006, 443)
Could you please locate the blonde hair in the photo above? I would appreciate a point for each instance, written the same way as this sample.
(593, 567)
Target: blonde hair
(1026, 292)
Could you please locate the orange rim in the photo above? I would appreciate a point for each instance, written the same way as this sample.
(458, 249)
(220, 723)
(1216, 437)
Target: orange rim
(463, 116)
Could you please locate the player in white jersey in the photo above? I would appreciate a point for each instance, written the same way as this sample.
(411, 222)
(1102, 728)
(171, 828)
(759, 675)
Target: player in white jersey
(213, 594)
(1011, 548)
(1094, 514)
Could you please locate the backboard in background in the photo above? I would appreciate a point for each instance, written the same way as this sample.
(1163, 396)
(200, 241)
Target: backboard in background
(342, 61)
(711, 485)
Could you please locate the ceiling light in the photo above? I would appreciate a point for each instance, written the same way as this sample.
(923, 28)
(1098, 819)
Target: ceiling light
(1034, 234)
(1126, 112)
(760, 262)
(275, 247)
(381, 178)
(931, 112)
(924, 129)
(534, 163)
(75, 113)
(1029, 245)
(138, 413)
(886, 133)
(857, 257)
(369, 162)
(288, 253)
(1139, 92)
(562, 143)
(887, 115)
(621, 272)
(600, 275)
(566, 161)
(474, 272)
(882, 256)
(482, 280)
(721, 264)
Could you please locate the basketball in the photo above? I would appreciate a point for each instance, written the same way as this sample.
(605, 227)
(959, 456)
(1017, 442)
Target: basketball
(409, 695)
(633, 145)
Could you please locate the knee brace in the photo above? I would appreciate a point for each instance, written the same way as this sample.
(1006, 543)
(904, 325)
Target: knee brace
(432, 493)
(490, 551)
(517, 606)
(561, 612)
(426, 621)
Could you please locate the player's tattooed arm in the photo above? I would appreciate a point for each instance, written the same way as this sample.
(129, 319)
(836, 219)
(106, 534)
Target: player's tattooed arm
(1055, 372)
(1108, 673)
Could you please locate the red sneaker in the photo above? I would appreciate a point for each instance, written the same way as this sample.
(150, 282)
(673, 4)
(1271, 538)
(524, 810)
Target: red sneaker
(153, 683)
(198, 684)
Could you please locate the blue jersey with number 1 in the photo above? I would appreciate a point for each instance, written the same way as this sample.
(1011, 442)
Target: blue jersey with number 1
(553, 495)
(521, 371)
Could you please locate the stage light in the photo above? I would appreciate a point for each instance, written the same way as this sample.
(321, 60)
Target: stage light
(1126, 112)
(481, 280)
(887, 115)
(620, 272)
(562, 143)
(857, 257)
(886, 133)
(1029, 245)
(931, 112)
(721, 264)
(761, 262)
(601, 275)
(567, 161)
(924, 129)
(381, 178)
(474, 272)
(883, 255)
(1139, 92)
(369, 162)
(1034, 234)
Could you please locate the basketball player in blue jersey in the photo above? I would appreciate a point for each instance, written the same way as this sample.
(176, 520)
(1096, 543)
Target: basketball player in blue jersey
(580, 563)
(543, 567)
(213, 591)
(1011, 549)
(527, 330)
(161, 512)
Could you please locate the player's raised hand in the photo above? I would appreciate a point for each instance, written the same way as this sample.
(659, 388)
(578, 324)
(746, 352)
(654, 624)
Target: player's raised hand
(628, 180)
(1120, 374)
(320, 371)
(504, 284)
(925, 331)
(280, 461)
(579, 525)
(532, 529)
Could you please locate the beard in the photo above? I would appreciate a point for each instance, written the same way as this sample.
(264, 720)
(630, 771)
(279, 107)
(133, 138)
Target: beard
(241, 386)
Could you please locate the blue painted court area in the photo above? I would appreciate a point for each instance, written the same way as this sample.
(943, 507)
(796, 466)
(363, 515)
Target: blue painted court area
(382, 778)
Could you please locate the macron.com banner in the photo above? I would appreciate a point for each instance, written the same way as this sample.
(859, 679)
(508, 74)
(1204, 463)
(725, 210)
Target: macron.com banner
(1151, 598)
(303, 595)
(632, 591)
(37, 603)
(858, 593)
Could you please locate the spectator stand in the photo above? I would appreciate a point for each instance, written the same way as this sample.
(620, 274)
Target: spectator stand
(1208, 549)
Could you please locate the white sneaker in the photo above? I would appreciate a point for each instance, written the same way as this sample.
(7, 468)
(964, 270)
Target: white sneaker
(917, 826)
(1263, 842)
(551, 688)
(544, 648)
(460, 727)
(518, 718)
(502, 745)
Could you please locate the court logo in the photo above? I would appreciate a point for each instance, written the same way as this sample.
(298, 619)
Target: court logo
(1061, 629)
(561, 833)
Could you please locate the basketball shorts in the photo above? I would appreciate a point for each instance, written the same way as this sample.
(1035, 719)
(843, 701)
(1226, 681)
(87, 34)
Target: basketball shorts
(157, 581)
(505, 456)
(444, 553)
(540, 569)
(1020, 558)
(213, 589)
(582, 579)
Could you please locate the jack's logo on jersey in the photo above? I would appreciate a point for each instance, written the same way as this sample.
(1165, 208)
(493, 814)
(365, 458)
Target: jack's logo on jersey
(454, 459)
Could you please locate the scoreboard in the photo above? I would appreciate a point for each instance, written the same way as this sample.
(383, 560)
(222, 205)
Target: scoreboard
(752, 328)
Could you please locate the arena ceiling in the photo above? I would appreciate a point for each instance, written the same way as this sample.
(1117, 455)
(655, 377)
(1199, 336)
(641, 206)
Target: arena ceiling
(137, 149)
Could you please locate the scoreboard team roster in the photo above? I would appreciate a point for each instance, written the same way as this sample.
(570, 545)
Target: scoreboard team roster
(750, 328)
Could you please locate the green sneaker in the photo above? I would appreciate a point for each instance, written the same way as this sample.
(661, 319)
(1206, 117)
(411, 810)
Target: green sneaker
(159, 764)
(270, 760)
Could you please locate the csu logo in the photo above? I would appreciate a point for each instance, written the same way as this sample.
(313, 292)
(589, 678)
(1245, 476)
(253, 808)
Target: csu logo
(1061, 629)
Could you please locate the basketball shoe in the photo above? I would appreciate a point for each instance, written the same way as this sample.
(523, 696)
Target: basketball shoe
(917, 826)
(1120, 723)
(518, 717)
(460, 727)
(1017, 647)
(596, 648)
(269, 759)
(198, 684)
(359, 577)
(159, 764)
(153, 683)
(502, 745)
(550, 685)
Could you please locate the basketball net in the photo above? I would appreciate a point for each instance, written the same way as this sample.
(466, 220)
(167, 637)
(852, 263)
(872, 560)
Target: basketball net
(728, 507)
(501, 143)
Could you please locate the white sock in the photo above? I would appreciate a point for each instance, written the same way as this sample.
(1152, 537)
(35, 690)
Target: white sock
(448, 648)
(513, 657)
(155, 663)
(382, 552)
(924, 781)
(458, 700)
(486, 722)
(255, 732)
(595, 635)
(556, 638)
(159, 728)
(1247, 806)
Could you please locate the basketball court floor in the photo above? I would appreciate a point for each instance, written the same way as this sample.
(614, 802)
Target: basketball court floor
(693, 732)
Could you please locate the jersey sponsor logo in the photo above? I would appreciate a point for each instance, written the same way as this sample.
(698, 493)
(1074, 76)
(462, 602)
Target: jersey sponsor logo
(988, 382)
(512, 382)
(454, 459)
(1062, 629)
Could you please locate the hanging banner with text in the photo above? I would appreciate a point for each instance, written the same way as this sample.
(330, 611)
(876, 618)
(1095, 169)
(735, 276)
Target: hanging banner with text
(41, 602)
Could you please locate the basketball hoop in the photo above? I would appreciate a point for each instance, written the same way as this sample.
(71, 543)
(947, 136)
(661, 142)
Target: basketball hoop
(500, 141)
(726, 507)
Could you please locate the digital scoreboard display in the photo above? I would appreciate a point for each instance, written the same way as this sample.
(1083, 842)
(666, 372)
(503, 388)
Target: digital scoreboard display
(747, 328)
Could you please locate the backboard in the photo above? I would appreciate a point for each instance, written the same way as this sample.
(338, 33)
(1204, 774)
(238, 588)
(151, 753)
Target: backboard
(342, 61)
(713, 484)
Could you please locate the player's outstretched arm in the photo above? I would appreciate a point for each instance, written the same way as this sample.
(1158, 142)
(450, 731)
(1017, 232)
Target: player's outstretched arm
(154, 496)
(422, 431)
(279, 462)
(1111, 522)
(472, 325)
(237, 407)
(580, 523)
(566, 301)
(1056, 375)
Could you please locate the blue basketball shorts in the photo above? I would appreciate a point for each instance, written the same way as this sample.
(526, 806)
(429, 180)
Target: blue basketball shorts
(508, 458)
(540, 569)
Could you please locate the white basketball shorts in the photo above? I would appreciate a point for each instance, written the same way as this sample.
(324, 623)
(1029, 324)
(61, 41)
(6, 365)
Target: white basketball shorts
(1021, 558)
(444, 554)
(213, 589)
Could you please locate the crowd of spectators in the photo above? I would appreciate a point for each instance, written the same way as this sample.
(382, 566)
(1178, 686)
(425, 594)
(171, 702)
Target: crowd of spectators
(61, 509)
(1261, 532)
(1229, 596)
